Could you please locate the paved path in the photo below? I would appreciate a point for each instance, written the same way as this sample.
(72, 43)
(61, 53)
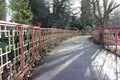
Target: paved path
(78, 59)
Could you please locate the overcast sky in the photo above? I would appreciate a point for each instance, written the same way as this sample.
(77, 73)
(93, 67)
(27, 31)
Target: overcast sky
(118, 1)
(76, 6)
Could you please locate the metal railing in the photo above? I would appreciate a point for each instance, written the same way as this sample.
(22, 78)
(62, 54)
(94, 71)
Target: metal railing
(21, 45)
(109, 37)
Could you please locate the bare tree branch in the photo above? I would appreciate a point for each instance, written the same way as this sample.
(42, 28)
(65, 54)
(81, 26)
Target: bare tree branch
(115, 6)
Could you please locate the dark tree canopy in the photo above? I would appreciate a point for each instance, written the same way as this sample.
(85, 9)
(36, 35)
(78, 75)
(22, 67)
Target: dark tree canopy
(61, 13)
(2, 10)
(41, 12)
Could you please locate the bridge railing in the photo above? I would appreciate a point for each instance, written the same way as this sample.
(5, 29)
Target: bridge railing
(109, 36)
(22, 45)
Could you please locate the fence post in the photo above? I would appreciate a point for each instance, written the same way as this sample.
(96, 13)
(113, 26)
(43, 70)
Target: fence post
(108, 37)
(32, 42)
(103, 34)
(98, 34)
(22, 65)
(94, 34)
(0, 74)
(53, 34)
(39, 35)
(116, 37)
(60, 34)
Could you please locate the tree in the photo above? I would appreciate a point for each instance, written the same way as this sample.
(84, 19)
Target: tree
(2, 9)
(86, 13)
(75, 23)
(115, 18)
(41, 12)
(61, 13)
(21, 11)
(102, 14)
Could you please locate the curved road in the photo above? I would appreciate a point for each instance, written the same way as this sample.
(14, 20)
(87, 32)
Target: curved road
(78, 59)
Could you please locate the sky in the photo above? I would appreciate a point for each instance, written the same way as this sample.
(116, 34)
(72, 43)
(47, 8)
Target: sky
(76, 6)
(118, 1)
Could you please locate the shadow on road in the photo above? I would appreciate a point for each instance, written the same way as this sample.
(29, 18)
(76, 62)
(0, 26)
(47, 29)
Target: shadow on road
(75, 63)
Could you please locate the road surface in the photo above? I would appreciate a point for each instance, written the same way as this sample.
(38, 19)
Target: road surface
(78, 59)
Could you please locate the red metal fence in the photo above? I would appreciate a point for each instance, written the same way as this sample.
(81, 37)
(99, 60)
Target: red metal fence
(109, 36)
(21, 45)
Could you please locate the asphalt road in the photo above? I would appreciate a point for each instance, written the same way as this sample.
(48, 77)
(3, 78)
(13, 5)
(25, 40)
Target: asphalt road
(78, 59)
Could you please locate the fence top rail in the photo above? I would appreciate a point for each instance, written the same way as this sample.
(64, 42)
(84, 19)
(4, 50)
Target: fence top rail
(46, 28)
(11, 24)
(19, 25)
(4, 23)
(57, 29)
(114, 27)
(95, 28)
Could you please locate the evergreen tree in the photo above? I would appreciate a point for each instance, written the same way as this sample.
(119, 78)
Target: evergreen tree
(75, 23)
(61, 15)
(2, 9)
(21, 11)
(41, 12)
